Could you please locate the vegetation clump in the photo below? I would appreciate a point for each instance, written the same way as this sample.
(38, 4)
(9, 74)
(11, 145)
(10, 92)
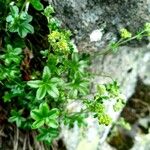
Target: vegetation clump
(37, 84)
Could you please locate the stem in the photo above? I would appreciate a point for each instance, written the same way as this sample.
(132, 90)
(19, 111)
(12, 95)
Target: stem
(104, 75)
(132, 38)
(27, 6)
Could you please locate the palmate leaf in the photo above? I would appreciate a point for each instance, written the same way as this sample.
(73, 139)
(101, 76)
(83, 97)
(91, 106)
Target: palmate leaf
(24, 29)
(46, 85)
(44, 115)
(47, 135)
(12, 55)
(42, 112)
(19, 22)
(16, 116)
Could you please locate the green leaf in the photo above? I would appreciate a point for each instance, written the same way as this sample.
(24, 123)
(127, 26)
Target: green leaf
(47, 135)
(73, 93)
(37, 124)
(34, 83)
(29, 28)
(37, 4)
(14, 11)
(41, 92)
(25, 29)
(53, 91)
(19, 22)
(9, 48)
(54, 113)
(45, 116)
(83, 91)
(46, 73)
(44, 109)
(75, 57)
(52, 123)
(35, 114)
(48, 11)
(7, 97)
(17, 51)
(16, 116)
(56, 80)
(9, 18)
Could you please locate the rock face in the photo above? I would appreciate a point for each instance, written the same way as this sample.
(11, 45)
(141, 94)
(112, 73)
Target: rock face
(126, 66)
(84, 16)
(102, 19)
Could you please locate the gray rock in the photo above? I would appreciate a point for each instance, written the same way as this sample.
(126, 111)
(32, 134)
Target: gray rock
(84, 16)
(125, 67)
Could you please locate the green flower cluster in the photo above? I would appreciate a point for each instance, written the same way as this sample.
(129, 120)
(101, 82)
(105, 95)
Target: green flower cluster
(58, 38)
(59, 41)
(104, 119)
(147, 28)
(105, 92)
(124, 33)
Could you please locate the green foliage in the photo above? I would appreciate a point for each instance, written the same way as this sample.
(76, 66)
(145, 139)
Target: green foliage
(70, 119)
(37, 91)
(19, 22)
(105, 93)
(47, 135)
(44, 116)
(16, 116)
(11, 59)
(46, 85)
(11, 55)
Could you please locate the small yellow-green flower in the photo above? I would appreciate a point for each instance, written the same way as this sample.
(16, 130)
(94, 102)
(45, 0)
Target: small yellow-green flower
(99, 108)
(54, 36)
(124, 33)
(62, 45)
(101, 90)
(147, 28)
(118, 105)
(104, 119)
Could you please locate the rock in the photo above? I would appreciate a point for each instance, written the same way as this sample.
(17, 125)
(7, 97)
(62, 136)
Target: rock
(96, 35)
(142, 142)
(144, 68)
(125, 67)
(85, 16)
